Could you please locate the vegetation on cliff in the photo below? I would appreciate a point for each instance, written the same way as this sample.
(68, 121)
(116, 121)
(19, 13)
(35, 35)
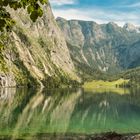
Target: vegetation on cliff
(35, 53)
(33, 7)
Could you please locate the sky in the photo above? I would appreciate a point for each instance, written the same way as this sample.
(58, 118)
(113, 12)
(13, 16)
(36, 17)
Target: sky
(100, 11)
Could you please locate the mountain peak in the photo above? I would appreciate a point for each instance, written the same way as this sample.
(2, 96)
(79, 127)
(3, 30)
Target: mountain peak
(60, 18)
(131, 28)
(113, 23)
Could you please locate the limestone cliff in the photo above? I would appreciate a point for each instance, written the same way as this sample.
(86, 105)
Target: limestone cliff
(36, 53)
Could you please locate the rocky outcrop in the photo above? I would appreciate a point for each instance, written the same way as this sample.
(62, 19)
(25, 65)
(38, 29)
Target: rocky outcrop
(107, 47)
(36, 51)
(7, 80)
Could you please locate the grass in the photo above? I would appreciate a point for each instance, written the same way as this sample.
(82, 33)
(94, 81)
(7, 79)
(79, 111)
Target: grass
(120, 91)
(101, 86)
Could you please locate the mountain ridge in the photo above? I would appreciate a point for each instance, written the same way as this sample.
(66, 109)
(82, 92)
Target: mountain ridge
(129, 24)
(106, 47)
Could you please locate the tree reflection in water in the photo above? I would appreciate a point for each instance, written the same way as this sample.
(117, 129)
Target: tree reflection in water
(32, 113)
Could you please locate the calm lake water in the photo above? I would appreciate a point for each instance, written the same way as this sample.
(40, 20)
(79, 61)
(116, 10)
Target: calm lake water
(28, 113)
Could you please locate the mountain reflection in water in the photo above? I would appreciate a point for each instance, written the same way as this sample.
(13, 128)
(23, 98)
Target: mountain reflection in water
(26, 113)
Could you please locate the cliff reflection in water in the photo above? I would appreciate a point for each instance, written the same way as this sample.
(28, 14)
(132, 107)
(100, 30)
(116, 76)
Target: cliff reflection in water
(28, 112)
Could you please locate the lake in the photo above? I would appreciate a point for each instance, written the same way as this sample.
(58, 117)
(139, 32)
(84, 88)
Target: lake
(30, 113)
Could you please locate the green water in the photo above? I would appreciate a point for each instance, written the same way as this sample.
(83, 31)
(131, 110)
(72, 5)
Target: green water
(28, 112)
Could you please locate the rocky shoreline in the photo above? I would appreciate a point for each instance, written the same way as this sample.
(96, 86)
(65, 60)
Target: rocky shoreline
(104, 136)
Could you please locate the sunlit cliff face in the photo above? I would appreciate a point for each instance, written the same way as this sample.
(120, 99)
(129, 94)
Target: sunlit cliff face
(36, 51)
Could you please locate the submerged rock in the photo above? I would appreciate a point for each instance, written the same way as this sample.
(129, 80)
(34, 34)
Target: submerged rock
(106, 136)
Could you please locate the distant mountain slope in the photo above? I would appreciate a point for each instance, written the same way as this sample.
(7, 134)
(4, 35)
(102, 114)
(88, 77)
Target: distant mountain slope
(37, 53)
(106, 47)
(133, 75)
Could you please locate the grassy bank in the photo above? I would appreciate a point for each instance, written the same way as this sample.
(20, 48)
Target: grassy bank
(105, 84)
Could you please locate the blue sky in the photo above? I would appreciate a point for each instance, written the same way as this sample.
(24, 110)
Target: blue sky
(100, 11)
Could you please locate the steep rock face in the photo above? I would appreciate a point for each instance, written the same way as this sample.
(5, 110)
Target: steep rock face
(106, 47)
(37, 51)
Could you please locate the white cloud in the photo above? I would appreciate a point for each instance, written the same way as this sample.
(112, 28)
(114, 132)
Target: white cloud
(62, 2)
(71, 14)
(134, 5)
